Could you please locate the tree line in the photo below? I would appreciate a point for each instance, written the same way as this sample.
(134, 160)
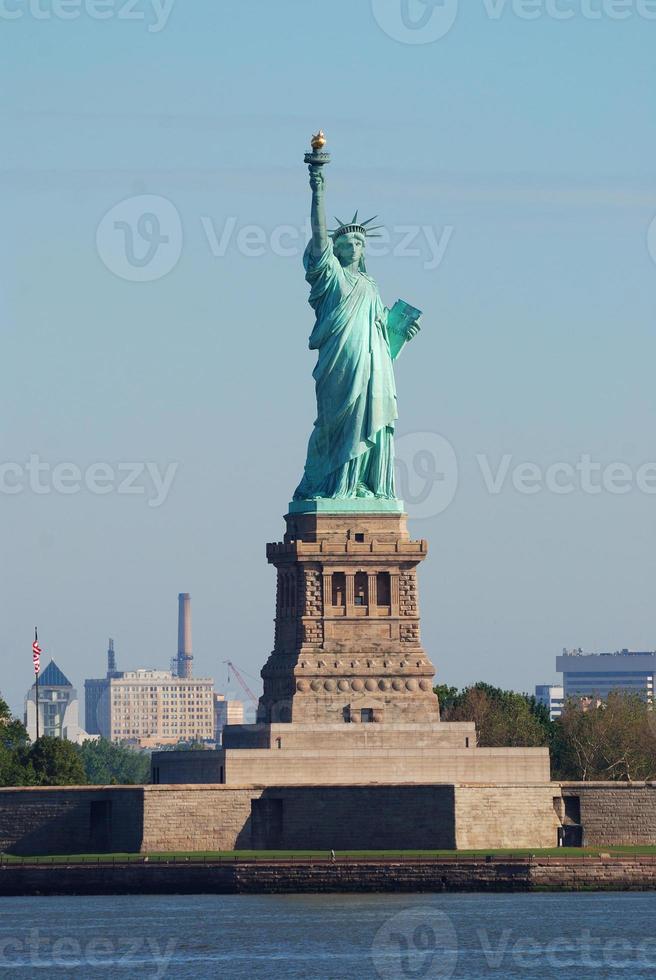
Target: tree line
(613, 739)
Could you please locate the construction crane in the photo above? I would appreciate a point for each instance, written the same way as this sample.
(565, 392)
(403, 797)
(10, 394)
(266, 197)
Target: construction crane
(242, 682)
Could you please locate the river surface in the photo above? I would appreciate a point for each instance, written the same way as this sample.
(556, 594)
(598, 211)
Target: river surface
(331, 936)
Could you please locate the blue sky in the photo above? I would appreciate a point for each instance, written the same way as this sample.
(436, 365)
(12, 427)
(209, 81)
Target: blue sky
(524, 146)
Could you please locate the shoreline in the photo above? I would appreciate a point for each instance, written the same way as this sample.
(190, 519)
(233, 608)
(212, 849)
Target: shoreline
(345, 875)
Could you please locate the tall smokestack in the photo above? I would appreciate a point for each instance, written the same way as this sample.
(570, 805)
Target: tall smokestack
(111, 658)
(185, 656)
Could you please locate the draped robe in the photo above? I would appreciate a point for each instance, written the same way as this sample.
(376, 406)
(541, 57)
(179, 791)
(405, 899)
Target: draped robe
(351, 449)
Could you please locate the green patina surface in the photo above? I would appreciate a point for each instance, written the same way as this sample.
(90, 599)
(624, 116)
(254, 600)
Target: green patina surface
(359, 505)
(350, 457)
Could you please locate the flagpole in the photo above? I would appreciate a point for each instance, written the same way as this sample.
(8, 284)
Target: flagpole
(37, 667)
(37, 707)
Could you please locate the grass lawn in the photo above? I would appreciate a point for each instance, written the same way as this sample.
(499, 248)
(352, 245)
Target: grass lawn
(197, 856)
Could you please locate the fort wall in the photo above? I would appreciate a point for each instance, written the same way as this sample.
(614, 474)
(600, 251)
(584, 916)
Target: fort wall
(391, 816)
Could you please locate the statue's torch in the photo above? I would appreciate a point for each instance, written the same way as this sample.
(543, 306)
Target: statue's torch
(318, 158)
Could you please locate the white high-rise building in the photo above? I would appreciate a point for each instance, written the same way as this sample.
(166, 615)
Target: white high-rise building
(226, 713)
(552, 697)
(58, 707)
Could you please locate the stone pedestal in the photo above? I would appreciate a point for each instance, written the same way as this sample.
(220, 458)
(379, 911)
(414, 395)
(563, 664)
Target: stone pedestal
(347, 643)
(348, 689)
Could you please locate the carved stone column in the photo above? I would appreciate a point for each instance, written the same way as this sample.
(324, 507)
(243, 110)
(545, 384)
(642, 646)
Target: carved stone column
(394, 593)
(350, 593)
(327, 590)
(372, 590)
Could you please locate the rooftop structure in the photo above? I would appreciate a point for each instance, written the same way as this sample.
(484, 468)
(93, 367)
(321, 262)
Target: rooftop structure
(185, 656)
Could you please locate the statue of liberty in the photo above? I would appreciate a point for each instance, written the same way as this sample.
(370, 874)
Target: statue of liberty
(351, 449)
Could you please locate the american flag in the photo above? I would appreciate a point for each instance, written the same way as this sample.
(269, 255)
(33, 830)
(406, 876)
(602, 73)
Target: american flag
(36, 653)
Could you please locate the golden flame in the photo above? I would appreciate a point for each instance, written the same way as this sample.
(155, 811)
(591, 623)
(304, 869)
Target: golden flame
(319, 141)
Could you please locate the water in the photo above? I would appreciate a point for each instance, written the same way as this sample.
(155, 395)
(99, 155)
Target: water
(336, 937)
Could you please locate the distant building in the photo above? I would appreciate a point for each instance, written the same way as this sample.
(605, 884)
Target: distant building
(552, 697)
(150, 707)
(153, 707)
(58, 707)
(226, 713)
(595, 675)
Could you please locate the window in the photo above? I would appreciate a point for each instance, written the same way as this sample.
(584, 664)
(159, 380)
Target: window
(359, 537)
(339, 588)
(361, 589)
(384, 590)
(367, 715)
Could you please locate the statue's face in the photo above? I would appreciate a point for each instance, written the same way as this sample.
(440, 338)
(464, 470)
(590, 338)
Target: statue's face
(349, 248)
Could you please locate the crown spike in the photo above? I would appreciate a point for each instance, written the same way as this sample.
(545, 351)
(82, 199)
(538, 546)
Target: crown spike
(355, 218)
(369, 220)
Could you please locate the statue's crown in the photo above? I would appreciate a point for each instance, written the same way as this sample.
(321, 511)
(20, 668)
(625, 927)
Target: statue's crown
(355, 226)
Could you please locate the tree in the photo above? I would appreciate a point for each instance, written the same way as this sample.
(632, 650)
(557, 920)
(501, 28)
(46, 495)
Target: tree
(110, 763)
(53, 762)
(502, 718)
(611, 740)
(13, 738)
(446, 696)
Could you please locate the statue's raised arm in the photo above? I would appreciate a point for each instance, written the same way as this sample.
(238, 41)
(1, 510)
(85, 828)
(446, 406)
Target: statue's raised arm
(317, 160)
(318, 212)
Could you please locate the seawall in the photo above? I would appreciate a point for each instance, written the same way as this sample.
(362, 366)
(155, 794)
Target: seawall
(615, 873)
